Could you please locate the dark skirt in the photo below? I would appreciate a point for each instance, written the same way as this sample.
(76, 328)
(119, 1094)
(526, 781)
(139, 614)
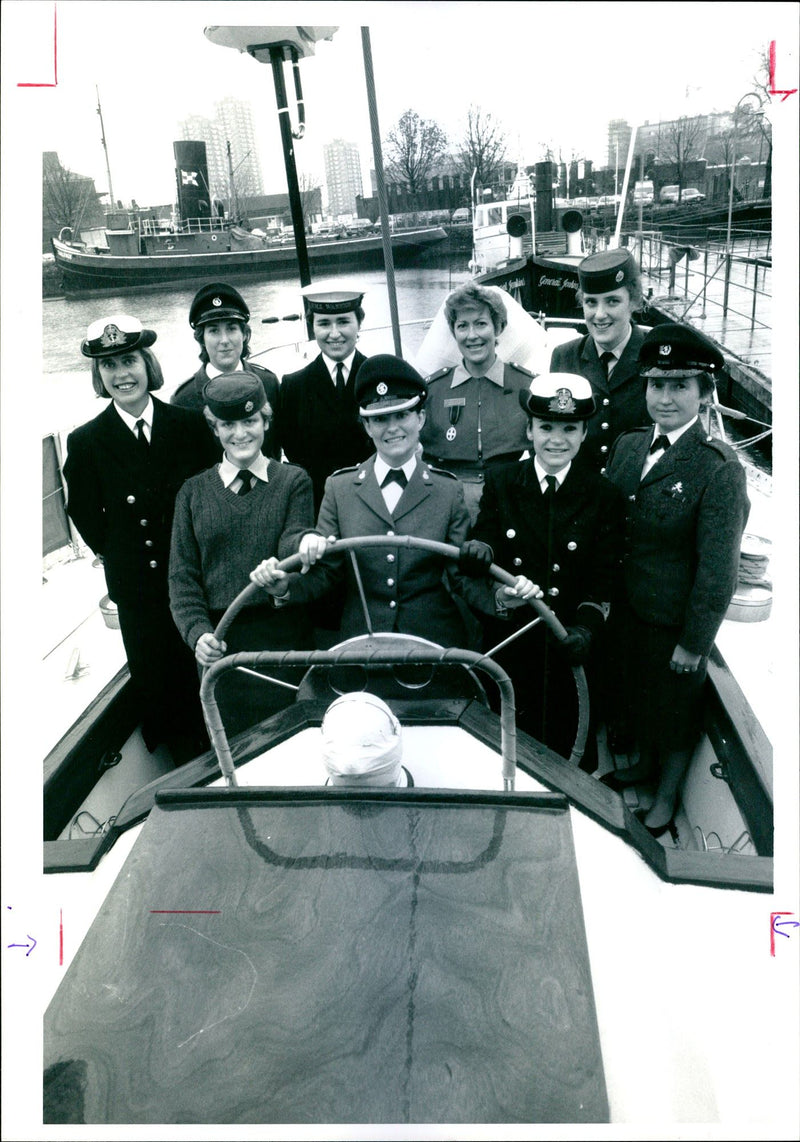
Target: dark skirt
(544, 688)
(664, 709)
(243, 700)
(164, 678)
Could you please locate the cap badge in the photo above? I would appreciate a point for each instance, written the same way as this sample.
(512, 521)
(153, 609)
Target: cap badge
(619, 276)
(248, 406)
(664, 350)
(111, 335)
(216, 301)
(451, 433)
(381, 389)
(562, 401)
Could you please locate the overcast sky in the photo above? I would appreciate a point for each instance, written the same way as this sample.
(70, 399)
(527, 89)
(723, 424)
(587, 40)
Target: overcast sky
(550, 73)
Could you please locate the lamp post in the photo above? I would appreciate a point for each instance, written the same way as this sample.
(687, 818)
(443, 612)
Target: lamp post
(732, 179)
(272, 45)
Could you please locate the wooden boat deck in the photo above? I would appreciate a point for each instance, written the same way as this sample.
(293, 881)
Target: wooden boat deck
(359, 960)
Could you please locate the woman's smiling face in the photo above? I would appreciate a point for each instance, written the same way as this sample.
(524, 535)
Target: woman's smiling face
(125, 379)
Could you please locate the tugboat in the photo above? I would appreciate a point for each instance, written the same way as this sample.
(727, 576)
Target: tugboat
(196, 245)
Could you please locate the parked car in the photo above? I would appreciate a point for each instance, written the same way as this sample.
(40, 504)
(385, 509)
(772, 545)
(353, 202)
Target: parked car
(461, 215)
(669, 194)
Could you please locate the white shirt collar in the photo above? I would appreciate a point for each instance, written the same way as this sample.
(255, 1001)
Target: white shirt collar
(229, 472)
(676, 432)
(381, 468)
(541, 475)
(213, 371)
(495, 373)
(146, 415)
(346, 364)
(618, 350)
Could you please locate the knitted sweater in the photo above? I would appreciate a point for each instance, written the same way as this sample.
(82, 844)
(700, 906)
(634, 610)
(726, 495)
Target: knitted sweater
(218, 538)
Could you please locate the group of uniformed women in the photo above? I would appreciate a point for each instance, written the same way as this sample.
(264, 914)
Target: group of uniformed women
(625, 517)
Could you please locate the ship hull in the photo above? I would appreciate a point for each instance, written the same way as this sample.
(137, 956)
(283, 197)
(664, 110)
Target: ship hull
(87, 272)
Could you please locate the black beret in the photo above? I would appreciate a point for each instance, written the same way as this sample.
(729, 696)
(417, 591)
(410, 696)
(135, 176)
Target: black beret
(388, 384)
(673, 350)
(217, 302)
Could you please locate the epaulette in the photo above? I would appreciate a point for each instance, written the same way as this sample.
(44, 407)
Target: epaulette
(344, 471)
(442, 472)
(439, 373)
(721, 447)
(522, 369)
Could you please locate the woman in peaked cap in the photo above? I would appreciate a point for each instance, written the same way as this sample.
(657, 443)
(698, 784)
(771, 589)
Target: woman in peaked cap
(687, 506)
(123, 471)
(556, 520)
(220, 319)
(607, 356)
(320, 425)
(394, 492)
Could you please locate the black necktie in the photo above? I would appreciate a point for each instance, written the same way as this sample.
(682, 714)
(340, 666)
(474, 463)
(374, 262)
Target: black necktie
(340, 383)
(552, 486)
(605, 360)
(141, 440)
(247, 481)
(661, 443)
(395, 476)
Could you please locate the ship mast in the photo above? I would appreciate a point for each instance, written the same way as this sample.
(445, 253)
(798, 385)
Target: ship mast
(112, 200)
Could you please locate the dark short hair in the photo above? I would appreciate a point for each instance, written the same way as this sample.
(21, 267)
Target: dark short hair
(155, 378)
(471, 294)
(358, 311)
(200, 338)
(633, 287)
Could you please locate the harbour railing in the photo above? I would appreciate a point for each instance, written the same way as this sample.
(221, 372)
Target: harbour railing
(709, 279)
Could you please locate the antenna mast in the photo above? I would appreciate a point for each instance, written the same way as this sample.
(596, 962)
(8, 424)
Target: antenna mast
(105, 149)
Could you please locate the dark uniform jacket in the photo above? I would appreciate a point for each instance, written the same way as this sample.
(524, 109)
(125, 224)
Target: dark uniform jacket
(684, 528)
(320, 431)
(404, 587)
(621, 403)
(484, 421)
(123, 505)
(578, 562)
(190, 395)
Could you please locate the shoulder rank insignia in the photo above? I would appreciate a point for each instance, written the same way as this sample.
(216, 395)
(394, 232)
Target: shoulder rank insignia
(439, 373)
(344, 471)
(522, 369)
(442, 472)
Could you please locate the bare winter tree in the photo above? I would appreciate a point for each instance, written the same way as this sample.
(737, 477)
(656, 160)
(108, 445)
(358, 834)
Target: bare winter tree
(413, 147)
(66, 196)
(482, 147)
(682, 138)
(310, 195)
(758, 122)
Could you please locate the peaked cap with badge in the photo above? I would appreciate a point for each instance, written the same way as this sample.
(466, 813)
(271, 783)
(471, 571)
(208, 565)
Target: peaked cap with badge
(217, 302)
(388, 384)
(118, 334)
(558, 396)
(673, 350)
